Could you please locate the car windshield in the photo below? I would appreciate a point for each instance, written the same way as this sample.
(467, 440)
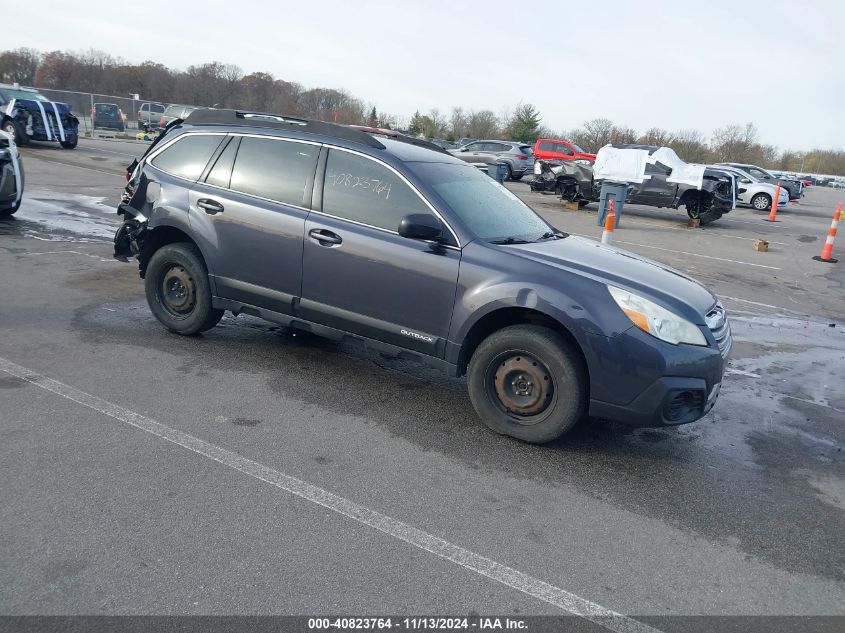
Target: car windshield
(13, 93)
(487, 208)
(760, 173)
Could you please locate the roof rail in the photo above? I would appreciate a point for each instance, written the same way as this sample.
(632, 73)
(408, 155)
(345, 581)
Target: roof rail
(397, 136)
(211, 116)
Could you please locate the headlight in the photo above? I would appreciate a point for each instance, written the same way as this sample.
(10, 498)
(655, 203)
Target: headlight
(657, 321)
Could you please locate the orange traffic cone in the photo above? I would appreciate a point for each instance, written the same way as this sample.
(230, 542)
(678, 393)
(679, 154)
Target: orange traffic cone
(773, 214)
(609, 224)
(827, 249)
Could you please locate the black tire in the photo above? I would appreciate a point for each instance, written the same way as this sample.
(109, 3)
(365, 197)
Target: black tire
(5, 213)
(178, 292)
(14, 130)
(505, 369)
(709, 216)
(509, 174)
(762, 199)
(69, 144)
(517, 177)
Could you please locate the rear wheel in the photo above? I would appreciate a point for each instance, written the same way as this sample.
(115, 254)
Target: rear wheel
(761, 202)
(517, 177)
(69, 144)
(509, 174)
(528, 382)
(178, 292)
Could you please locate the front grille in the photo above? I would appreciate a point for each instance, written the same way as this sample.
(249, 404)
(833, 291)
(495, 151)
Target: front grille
(717, 321)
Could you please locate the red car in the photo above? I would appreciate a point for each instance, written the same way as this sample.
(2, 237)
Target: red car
(552, 149)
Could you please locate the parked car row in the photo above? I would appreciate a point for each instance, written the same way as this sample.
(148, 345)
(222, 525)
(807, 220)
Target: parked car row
(518, 157)
(656, 176)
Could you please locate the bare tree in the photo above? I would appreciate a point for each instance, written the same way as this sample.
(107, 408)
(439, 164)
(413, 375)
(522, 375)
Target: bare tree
(596, 134)
(690, 145)
(623, 134)
(656, 136)
(19, 66)
(457, 124)
(482, 124)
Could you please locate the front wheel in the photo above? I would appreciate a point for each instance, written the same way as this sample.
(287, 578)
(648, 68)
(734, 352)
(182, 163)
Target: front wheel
(517, 177)
(13, 129)
(178, 292)
(528, 382)
(761, 202)
(10, 211)
(69, 144)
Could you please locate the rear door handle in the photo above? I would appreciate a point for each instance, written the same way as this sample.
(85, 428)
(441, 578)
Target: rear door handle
(210, 206)
(324, 236)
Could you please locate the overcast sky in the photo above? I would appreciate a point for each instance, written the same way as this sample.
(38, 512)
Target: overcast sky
(672, 64)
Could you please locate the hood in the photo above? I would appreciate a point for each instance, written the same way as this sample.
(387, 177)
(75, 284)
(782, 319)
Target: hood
(31, 106)
(610, 265)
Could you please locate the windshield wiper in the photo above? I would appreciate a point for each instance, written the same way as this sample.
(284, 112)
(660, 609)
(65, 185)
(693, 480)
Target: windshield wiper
(510, 240)
(558, 235)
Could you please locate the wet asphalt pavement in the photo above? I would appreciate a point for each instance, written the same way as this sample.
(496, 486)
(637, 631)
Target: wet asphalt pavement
(740, 513)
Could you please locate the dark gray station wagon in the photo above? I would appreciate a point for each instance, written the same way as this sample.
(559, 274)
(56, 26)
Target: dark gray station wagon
(394, 242)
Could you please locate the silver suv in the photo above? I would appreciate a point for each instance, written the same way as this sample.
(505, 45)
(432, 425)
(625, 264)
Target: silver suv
(519, 157)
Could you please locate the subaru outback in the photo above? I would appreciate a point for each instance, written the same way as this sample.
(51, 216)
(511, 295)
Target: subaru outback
(396, 243)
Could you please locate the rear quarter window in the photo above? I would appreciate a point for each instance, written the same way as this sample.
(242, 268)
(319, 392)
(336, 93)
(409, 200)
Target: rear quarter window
(188, 156)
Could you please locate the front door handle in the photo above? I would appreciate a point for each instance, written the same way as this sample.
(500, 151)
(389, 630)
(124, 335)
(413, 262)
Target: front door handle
(324, 236)
(210, 206)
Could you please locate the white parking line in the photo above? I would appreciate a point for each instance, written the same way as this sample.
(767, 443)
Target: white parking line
(672, 250)
(741, 372)
(754, 303)
(58, 162)
(634, 220)
(477, 563)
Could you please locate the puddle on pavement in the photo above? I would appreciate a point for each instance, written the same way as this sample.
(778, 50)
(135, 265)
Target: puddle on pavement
(46, 215)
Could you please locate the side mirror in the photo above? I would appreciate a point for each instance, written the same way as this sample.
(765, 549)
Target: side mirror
(421, 226)
(745, 181)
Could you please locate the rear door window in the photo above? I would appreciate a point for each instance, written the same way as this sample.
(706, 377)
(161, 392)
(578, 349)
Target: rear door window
(188, 156)
(360, 189)
(547, 147)
(274, 169)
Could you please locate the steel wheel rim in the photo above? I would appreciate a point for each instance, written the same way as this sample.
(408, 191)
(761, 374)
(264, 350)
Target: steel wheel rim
(521, 385)
(177, 292)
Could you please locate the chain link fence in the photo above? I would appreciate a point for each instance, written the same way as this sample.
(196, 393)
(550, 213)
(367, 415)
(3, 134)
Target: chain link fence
(126, 121)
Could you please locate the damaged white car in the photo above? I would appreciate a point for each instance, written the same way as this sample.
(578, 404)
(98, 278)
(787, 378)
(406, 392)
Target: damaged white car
(11, 176)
